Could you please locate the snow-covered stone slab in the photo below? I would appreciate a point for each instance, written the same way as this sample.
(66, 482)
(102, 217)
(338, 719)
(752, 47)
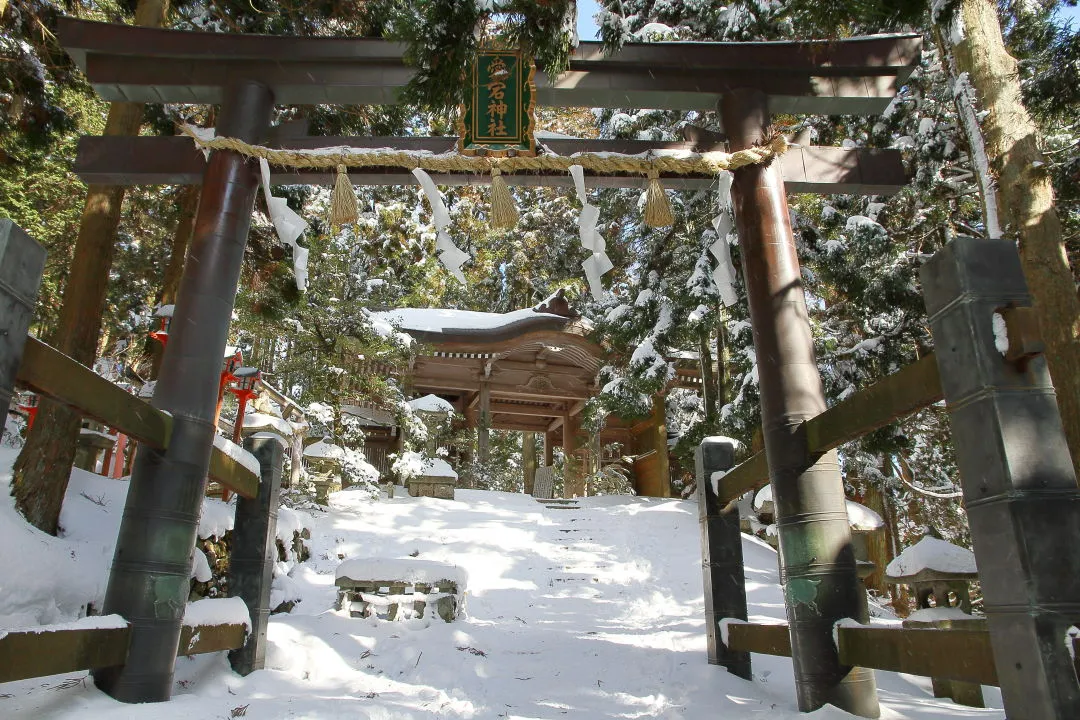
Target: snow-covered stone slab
(393, 589)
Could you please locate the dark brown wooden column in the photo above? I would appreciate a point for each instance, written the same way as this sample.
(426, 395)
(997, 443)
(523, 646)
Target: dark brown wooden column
(483, 425)
(573, 466)
(151, 567)
(528, 460)
(821, 584)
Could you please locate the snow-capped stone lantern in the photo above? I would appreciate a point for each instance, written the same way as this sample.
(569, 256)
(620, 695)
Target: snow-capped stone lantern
(936, 569)
(164, 317)
(324, 462)
(432, 410)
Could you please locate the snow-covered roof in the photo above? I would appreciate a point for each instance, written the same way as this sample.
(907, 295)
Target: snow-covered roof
(369, 417)
(446, 321)
(323, 449)
(405, 569)
(431, 403)
(935, 555)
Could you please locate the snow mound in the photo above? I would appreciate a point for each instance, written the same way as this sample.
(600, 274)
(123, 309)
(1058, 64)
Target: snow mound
(932, 554)
(938, 613)
(437, 467)
(217, 611)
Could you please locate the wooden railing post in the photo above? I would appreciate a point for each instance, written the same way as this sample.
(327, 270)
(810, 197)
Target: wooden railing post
(22, 262)
(151, 567)
(821, 584)
(254, 551)
(722, 557)
(1018, 480)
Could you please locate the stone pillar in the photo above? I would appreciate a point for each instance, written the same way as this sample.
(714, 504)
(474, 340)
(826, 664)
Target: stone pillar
(722, 556)
(254, 552)
(528, 460)
(151, 567)
(821, 581)
(1018, 480)
(22, 262)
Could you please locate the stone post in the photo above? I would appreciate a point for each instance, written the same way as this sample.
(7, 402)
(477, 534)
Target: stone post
(1018, 480)
(254, 551)
(722, 555)
(22, 262)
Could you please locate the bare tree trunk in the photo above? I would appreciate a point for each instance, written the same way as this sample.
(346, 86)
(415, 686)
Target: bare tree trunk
(1025, 197)
(41, 472)
(877, 543)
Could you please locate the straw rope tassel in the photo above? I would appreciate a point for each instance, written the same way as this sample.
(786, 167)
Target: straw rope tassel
(657, 206)
(344, 208)
(504, 214)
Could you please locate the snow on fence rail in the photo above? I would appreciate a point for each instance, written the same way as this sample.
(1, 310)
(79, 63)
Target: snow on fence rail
(51, 373)
(963, 655)
(912, 388)
(91, 643)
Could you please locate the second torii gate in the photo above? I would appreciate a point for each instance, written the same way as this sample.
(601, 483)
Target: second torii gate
(248, 75)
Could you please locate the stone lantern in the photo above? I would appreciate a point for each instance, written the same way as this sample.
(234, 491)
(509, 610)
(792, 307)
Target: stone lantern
(940, 571)
(324, 461)
(432, 409)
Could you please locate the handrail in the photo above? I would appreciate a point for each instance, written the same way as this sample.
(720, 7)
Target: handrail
(53, 374)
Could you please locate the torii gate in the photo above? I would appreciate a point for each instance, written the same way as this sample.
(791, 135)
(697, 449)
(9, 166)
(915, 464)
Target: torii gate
(247, 75)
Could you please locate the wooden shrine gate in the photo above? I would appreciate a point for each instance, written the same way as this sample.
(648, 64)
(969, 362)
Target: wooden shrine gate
(747, 82)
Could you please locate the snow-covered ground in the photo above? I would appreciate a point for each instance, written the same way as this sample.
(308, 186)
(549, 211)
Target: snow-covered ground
(587, 613)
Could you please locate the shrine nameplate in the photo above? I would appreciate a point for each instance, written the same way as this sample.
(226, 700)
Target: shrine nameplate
(497, 118)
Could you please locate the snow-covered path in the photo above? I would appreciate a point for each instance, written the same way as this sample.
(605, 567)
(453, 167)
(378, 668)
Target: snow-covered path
(587, 613)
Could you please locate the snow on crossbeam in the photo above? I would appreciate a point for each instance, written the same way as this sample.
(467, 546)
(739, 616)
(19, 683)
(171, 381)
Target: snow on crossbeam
(97, 642)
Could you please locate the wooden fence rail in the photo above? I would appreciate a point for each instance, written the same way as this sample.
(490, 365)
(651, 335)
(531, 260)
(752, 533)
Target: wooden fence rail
(912, 388)
(30, 654)
(53, 374)
(963, 655)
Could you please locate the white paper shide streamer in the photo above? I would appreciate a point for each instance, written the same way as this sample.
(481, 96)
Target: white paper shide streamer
(724, 223)
(450, 254)
(598, 262)
(289, 227)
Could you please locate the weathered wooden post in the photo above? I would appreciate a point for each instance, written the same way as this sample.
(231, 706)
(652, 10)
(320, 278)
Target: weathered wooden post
(254, 550)
(1019, 484)
(22, 262)
(722, 557)
(573, 464)
(821, 582)
(148, 584)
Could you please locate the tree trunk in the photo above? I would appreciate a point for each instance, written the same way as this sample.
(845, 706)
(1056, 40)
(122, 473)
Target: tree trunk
(170, 283)
(877, 543)
(1025, 196)
(41, 472)
(708, 382)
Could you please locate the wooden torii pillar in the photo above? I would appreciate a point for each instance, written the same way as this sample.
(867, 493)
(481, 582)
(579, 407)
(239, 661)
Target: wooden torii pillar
(821, 585)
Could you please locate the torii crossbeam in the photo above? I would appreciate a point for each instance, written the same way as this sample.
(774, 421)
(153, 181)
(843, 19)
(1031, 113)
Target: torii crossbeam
(247, 75)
